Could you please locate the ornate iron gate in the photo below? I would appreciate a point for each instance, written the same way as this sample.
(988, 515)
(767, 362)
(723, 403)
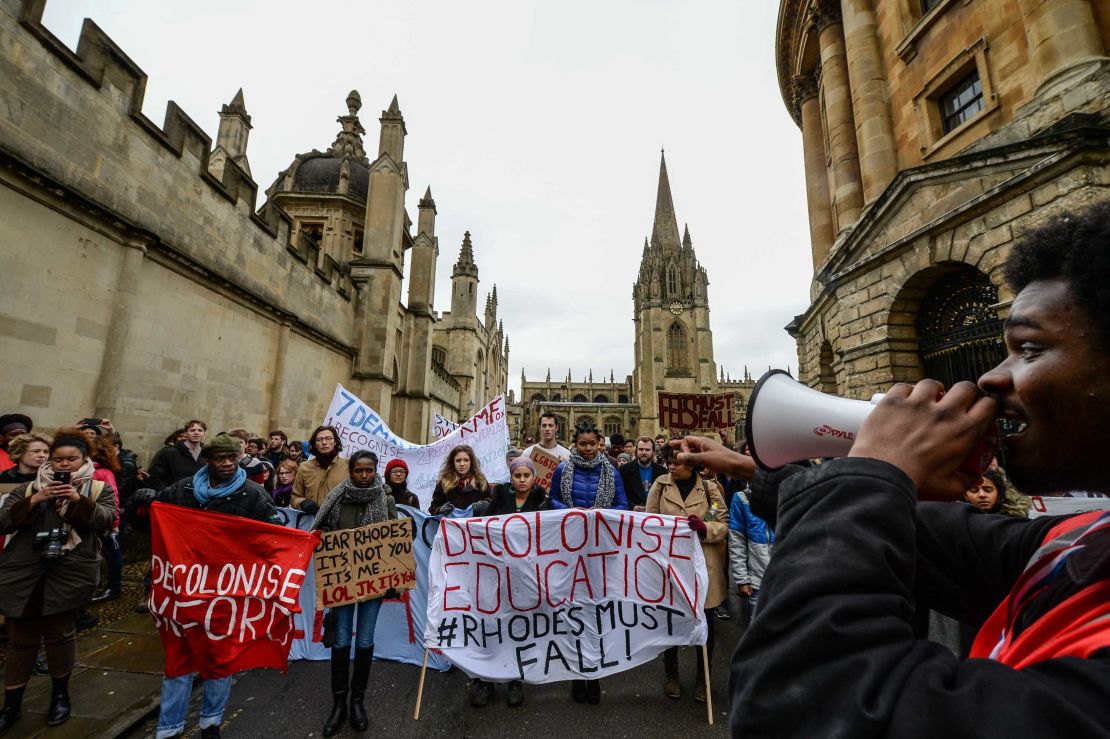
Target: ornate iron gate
(960, 333)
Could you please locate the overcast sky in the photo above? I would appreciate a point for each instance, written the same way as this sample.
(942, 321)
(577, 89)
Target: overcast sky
(538, 126)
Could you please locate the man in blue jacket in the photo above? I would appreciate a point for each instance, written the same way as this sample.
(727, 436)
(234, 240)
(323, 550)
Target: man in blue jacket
(749, 548)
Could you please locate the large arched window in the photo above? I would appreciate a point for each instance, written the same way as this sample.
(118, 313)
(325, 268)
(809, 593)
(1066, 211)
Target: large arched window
(676, 348)
(585, 421)
(672, 280)
(580, 398)
(538, 397)
(612, 425)
(622, 398)
(601, 398)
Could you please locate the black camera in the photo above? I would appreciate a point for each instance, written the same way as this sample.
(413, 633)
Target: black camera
(49, 543)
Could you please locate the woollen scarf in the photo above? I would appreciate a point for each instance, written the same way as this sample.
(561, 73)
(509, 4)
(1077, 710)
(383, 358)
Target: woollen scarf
(373, 497)
(81, 480)
(606, 484)
(204, 492)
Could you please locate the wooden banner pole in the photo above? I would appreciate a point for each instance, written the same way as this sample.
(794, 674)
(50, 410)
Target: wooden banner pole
(708, 684)
(420, 688)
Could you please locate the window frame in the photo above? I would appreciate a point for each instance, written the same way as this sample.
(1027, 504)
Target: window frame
(927, 103)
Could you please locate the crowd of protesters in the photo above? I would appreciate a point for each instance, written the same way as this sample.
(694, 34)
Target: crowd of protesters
(854, 572)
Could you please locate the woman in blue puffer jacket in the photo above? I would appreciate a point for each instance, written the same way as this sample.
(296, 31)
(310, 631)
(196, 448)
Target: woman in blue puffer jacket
(587, 479)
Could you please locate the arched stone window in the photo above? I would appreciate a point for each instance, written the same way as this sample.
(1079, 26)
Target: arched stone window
(557, 398)
(538, 397)
(612, 425)
(672, 280)
(585, 421)
(676, 348)
(439, 356)
(580, 398)
(601, 398)
(622, 398)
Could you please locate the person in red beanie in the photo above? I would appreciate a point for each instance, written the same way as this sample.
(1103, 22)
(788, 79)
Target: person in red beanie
(396, 477)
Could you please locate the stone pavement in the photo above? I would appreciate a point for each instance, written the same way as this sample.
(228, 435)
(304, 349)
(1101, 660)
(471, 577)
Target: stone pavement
(115, 685)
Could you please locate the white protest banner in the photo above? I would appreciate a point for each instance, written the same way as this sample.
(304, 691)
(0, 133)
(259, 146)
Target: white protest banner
(360, 427)
(561, 595)
(1064, 506)
(442, 426)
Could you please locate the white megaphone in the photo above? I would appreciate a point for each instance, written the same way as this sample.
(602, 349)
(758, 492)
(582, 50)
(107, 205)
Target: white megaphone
(789, 422)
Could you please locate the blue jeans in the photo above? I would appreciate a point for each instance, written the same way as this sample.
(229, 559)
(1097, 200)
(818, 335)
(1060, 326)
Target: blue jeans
(367, 612)
(175, 703)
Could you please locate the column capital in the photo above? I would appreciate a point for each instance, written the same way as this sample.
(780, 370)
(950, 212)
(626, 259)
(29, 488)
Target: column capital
(142, 242)
(806, 86)
(823, 14)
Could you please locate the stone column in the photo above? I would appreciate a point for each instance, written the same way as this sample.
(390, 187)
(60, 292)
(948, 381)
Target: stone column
(279, 376)
(115, 345)
(1062, 35)
(847, 191)
(817, 175)
(878, 156)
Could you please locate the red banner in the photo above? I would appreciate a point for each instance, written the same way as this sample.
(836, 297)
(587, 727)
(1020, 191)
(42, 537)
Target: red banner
(225, 589)
(691, 412)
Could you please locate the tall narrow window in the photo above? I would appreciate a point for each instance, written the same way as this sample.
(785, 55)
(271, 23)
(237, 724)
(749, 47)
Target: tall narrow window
(672, 280)
(962, 101)
(357, 246)
(676, 348)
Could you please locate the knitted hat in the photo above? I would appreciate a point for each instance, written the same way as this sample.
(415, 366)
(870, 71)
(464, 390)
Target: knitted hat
(394, 464)
(222, 444)
(512, 454)
(11, 421)
(522, 462)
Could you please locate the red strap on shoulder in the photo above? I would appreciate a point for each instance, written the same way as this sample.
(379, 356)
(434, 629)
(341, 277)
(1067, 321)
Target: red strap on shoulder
(1071, 524)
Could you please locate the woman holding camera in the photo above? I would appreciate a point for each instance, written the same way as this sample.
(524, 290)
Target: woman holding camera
(684, 493)
(49, 569)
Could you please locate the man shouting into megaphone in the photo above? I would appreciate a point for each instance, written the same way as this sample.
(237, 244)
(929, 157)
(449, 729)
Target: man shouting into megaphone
(833, 651)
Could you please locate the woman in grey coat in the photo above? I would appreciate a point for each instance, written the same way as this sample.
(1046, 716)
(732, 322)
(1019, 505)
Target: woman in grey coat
(50, 568)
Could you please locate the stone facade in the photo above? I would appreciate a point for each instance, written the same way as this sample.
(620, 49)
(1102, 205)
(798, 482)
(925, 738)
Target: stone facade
(673, 344)
(143, 284)
(932, 140)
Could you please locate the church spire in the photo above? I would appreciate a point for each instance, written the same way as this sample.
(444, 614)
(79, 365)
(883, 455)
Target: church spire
(664, 232)
(466, 265)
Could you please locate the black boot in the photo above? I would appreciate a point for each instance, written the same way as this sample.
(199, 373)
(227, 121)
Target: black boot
(364, 658)
(340, 677)
(59, 710)
(13, 706)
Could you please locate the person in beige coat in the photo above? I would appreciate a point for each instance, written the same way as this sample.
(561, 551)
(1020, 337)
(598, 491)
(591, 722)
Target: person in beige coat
(320, 475)
(683, 493)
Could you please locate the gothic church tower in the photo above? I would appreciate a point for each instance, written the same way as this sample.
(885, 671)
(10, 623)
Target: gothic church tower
(674, 345)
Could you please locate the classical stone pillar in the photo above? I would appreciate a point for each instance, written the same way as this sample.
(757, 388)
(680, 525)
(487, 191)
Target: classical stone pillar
(1062, 35)
(847, 190)
(115, 345)
(878, 159)
(279, 376)
(817, 174)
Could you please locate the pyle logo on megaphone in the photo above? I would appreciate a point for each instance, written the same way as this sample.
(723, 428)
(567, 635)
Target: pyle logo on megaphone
(788, 422)
(828, 430)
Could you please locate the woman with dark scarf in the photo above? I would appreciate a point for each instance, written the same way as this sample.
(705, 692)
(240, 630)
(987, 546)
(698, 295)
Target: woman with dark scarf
(461, 483)
(49, 569)
(587, 479)
(358, 501)
(396, 477)
(320, 475)
(283, 482)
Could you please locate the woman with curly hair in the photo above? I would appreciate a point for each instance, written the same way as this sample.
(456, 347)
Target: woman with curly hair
(461, 483)
(29, 452)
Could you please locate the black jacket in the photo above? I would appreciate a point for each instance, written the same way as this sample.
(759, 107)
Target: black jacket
(504, 501)
(832, 650)
(250, 501)
(170, 464)
(633, 486)
(127, 475)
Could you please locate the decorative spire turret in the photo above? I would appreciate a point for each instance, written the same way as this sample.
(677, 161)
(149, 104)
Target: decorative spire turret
(348, 142)
(466, 265)
(686, 242)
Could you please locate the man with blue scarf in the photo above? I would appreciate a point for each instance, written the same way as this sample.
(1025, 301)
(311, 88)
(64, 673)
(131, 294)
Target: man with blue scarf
(221, 485)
